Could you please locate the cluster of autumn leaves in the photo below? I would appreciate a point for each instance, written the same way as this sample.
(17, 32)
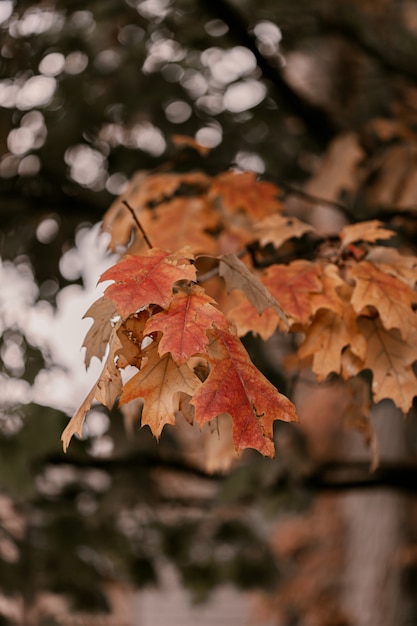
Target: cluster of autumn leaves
(210, 270)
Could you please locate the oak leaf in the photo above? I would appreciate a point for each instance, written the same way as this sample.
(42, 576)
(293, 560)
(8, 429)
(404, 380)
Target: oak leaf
(333, 292)
(183, 221)
(326, 338)
(293, 285)
(97, 337)
(277, 229)
(131, 334)
(235, 386)
(159, 382)
(247, 319)
(144, 192)
(185, 323)
(147, 279)
(392, 262)
(241, 191)
(390, 359)
(369, 231)
(238, 276)
(393, 299)
(106, 390)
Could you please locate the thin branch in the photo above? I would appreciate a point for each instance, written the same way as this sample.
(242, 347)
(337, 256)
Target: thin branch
(139, 225)
(313, 199)
(343, 475)
(347, 475)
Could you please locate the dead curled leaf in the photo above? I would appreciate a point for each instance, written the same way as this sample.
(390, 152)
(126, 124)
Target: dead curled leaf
(238, 276)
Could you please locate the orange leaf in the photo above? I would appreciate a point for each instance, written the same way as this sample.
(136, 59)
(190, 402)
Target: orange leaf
(390, 359)
(277, 229)
(370, 231)
(144, 191)
(390, 261)
(248, 320)
(326, 338)
(146, 279)
(241, 191)
(159, 383)
(237, 387)
(392, 298)
(183, 221)
(184, 325)
(292, 285)
(333, 287)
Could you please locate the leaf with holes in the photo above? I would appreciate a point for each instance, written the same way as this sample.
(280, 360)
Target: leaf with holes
(184, 325)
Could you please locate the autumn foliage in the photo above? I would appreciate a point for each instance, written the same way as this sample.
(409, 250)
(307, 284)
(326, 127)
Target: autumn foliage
(221, 258)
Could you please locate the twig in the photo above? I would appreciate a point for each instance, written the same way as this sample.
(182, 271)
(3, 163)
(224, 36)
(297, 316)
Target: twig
(139, 225)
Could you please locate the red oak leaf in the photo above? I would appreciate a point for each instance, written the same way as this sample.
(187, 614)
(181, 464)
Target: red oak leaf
(184, 325)
(237, 387)
(146, 279)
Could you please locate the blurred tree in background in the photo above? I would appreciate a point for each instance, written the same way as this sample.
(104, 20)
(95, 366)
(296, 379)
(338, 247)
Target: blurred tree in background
(318, 96)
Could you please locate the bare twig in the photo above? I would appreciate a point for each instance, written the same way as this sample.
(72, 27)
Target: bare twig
(139, 225)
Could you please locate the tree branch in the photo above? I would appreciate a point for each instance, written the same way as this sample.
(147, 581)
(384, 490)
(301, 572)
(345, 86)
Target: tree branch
(316, 120)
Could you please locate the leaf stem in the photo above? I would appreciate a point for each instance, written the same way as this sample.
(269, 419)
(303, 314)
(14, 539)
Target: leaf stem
(139, 225)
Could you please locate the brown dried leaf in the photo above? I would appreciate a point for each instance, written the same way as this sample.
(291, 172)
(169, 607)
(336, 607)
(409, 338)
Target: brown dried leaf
(277, 229)
(369, 231)
(159, 383)
(238, 276)
(106, 390)
(326, 339)
(390, 359)
(393, 299)
(97, 337)
(390, 261)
